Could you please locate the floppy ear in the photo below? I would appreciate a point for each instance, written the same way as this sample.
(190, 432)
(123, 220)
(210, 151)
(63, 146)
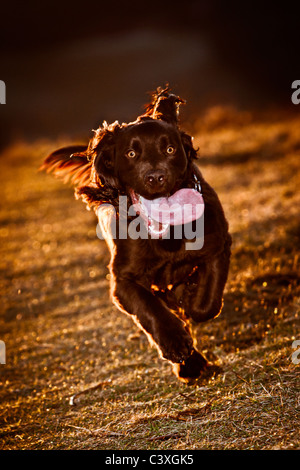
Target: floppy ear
(164, 106)
(187, 143)
(102, 151)
(104, 161)
(104, 186)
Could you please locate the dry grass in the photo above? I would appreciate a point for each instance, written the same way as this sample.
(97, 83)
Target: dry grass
(63, 335)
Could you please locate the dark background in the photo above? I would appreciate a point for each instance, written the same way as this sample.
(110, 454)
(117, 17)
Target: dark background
(68, 66)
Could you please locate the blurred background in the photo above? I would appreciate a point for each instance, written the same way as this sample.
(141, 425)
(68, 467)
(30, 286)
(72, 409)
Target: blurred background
(68, 66)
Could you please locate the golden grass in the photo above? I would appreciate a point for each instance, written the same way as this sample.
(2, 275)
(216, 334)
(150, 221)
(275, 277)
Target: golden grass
(63, 336)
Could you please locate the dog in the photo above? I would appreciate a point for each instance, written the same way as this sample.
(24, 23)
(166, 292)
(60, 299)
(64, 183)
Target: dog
(163, 286)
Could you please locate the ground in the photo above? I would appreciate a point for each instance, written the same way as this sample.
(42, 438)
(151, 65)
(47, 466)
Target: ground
(63, 336)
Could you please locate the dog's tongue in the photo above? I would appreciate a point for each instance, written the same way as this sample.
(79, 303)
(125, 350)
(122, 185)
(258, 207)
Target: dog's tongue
(182, 207)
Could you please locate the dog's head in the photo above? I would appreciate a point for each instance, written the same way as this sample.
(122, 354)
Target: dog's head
(149, 156)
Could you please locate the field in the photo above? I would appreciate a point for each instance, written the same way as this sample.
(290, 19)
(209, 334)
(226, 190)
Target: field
(80, 375)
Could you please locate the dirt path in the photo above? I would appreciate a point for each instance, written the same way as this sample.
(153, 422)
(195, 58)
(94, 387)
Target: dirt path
(62, 334)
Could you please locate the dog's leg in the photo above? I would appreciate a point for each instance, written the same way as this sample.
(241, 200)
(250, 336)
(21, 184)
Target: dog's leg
(162, 327)
(205, 298)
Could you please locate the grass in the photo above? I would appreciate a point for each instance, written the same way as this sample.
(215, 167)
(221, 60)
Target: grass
(64, 337)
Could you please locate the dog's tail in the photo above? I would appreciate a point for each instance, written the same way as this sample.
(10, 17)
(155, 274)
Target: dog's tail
(70, 164)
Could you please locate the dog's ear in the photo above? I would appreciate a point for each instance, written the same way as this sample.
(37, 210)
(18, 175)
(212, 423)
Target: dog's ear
(101, 151)
(187, 143)
(164, 105)
(69, 164)
(104, 186)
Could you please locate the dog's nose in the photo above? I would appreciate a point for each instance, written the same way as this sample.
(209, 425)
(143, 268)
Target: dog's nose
(155, 178)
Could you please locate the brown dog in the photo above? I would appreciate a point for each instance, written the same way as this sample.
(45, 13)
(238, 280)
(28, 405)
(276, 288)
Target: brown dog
(156, 277)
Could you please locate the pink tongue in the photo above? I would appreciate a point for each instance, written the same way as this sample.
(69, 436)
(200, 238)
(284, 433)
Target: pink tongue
(182, 207)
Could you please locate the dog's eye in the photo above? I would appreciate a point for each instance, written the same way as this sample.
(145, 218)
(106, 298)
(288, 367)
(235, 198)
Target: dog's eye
(170, 150)
(130, 154)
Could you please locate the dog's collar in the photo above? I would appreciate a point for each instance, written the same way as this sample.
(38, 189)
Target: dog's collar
(197, 184)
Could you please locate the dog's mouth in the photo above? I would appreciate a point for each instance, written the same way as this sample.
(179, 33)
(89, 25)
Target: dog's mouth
(184, 206)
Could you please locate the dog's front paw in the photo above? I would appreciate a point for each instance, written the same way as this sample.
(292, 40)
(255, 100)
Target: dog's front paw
(175, 345)
(191, 368)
